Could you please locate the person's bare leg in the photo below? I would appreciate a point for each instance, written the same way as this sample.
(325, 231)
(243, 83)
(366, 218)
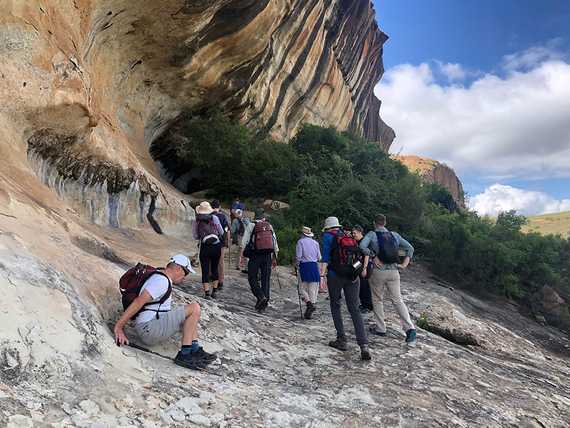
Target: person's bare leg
(221, 266)
(190, 326)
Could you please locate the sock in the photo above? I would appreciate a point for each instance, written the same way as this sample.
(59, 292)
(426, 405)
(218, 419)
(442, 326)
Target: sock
(194, 346)
(186, 349)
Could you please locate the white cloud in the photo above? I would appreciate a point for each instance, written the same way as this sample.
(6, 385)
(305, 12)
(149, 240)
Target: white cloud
(533, 56)
(453, 72)
(511, 126)
(499, 198)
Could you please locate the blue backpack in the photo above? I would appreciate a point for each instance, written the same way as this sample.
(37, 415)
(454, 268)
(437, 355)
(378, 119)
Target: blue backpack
(388, 247)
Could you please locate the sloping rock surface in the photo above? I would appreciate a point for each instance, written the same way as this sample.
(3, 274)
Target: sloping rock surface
(60, 367)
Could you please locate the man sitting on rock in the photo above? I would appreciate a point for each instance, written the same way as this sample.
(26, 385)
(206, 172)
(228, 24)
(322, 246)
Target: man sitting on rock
(156, 320)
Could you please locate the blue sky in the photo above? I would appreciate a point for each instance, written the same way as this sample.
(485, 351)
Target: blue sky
(510, 60)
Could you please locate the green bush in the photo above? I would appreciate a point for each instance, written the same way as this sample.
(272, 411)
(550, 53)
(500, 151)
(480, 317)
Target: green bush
(324, 173)
(227, 158)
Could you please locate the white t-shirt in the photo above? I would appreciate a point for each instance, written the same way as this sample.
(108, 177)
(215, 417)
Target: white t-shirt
(157, 286)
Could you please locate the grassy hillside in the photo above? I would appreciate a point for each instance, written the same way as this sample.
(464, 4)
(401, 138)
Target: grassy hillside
(547, 224)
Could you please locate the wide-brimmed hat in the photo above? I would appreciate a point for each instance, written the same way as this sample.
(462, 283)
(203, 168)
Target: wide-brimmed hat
(204, 208)
(307, 231)
(331, 222)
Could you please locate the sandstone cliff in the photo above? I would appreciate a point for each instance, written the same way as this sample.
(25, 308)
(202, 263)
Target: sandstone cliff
(90, 84)
(432, 171)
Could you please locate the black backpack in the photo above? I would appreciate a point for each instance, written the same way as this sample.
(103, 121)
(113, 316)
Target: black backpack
(388, 247)
(241, 227)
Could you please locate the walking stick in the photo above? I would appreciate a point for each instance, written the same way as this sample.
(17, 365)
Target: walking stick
(230, 251)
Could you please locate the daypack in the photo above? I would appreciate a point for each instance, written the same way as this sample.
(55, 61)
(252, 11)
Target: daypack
(241, 227)
(132, 281)
(262, 237)
(207, 231)
(225, 226)
(388, 247)
(346, 256)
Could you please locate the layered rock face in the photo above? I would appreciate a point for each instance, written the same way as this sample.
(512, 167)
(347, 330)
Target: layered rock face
(433, 171)
(112, 75)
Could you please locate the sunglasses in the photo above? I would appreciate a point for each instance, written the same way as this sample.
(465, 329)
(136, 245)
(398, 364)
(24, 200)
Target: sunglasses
(186, 271)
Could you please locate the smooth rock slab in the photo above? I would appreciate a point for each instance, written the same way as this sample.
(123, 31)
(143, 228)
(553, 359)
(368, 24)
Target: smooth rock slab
(20, 421)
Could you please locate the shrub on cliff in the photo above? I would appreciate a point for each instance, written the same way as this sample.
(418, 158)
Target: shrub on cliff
(215, 153)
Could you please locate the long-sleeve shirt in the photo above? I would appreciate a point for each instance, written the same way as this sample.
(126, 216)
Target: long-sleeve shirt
(217, 225)
(370, 244)
(328, 238)
(307, 250)
(235, 225)
(248, 232)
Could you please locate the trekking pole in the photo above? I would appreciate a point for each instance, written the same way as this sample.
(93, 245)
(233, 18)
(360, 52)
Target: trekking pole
(142, 348)
(229, 238)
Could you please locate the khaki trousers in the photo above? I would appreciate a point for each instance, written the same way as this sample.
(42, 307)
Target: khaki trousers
(309, 291)
(380, 281)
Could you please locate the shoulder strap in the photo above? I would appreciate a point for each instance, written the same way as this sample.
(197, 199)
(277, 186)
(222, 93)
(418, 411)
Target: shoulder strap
(166, 295)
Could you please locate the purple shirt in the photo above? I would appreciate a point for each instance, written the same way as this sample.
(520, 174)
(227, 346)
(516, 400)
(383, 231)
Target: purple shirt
(308, 250)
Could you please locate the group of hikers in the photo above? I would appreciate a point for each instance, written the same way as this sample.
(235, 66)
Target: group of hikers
(362, 267)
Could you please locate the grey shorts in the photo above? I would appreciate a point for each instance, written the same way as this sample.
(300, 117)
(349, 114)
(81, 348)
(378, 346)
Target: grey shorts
(158, 330)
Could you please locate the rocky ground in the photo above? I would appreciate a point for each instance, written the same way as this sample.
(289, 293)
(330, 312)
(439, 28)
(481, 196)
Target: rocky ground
(59, 366)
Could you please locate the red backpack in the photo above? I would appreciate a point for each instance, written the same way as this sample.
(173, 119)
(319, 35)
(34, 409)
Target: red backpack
(263, 237)
(346, 256)
(132, 281)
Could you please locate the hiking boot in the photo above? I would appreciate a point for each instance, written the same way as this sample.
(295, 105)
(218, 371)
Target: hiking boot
(365, 353)
(190, 361)
(214, 292)
(309, 311)
(261, 303)
(339, 344)
(207, 295)
(220, 286)
(411, 337)
(204, 356)
(375, 331)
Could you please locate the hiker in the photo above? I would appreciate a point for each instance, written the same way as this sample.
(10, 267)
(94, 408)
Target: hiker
(340, 266)
(386, 245)
(307, 256)
(236, 205)
(365, 295)
(259, 244)
(239, 225)
(208, 230)
(156, 319)
(225, 240)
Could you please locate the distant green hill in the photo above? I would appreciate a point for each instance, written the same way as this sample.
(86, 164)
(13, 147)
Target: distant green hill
(549, 224)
